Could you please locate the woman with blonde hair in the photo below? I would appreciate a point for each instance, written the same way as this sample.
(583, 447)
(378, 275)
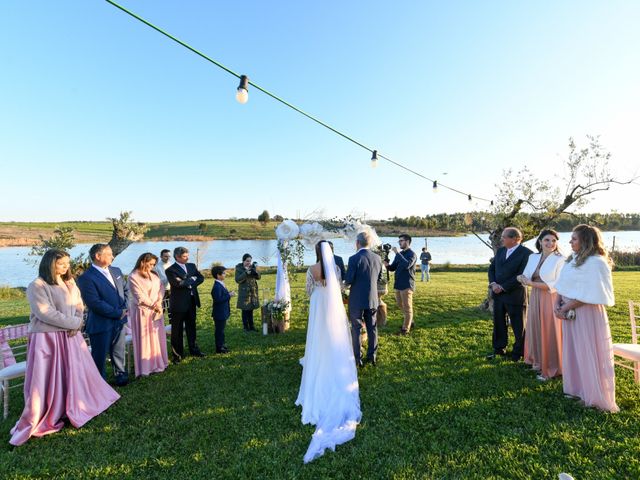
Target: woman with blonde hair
(543, 338)
(585, 288)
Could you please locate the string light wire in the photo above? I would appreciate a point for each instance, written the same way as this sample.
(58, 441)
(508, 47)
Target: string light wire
(284, 102)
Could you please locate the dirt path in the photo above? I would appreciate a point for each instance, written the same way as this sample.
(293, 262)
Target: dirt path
(14, 236)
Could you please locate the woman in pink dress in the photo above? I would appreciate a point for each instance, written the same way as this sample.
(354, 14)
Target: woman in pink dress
(145, 317)
(585, 289)
(543, 340)
(62, 380)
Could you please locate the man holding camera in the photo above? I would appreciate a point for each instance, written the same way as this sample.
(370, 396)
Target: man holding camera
(404, 264)
(247, 277)
(184, 278)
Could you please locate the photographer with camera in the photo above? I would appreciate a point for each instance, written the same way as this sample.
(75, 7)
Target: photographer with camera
(247, 277)
(404, 266)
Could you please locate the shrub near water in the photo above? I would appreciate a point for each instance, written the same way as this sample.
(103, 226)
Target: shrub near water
(10, 293)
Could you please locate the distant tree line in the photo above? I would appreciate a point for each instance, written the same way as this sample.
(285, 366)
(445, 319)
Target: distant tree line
(478, 221)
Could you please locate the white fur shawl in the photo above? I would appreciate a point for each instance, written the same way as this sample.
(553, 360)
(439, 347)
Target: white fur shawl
(549, 271)
(588, 283)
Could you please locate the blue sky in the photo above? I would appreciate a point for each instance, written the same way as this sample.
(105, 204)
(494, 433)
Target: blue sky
(99, 113)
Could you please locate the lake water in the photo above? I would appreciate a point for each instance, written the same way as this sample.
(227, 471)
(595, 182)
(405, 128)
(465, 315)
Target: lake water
(468, 249)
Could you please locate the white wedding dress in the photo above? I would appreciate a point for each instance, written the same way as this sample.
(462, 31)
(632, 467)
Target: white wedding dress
(329, 392)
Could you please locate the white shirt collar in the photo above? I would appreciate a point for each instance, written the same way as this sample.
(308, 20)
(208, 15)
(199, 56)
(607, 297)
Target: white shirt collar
(221, 282)
(182, 265)
(106, 272)
(510, 250)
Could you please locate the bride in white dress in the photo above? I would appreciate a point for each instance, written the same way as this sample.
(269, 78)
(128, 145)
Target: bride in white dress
(329, 392)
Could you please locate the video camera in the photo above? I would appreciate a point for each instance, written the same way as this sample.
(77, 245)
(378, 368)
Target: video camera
(386, 248)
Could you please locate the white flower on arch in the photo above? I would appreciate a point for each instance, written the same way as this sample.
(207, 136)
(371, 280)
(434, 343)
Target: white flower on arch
(287, 230)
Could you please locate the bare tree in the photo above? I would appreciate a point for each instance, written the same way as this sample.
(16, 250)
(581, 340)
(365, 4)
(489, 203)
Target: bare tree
(125, 232)
(586, 171)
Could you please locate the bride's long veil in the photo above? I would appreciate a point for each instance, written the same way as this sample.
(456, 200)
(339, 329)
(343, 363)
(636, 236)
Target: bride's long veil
(329, 391)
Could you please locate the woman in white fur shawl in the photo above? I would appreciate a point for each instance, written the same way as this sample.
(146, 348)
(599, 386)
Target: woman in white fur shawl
(543, 340)
(585, 289)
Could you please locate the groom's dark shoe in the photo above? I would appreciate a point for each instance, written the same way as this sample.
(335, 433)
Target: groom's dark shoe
(196, 352)
(372, 361)
(359, 364)
(497, 353)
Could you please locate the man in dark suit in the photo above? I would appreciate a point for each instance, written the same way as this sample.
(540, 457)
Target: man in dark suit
(184, 279)
(363, 273)
(106, 296)
(339, 262)
(509, 296)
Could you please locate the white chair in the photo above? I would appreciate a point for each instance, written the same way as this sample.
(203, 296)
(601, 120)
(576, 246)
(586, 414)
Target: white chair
(10, 368)
(627, 355)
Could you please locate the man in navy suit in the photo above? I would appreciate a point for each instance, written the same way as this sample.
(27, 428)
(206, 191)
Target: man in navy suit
(106, 296)
(184, 279)
(363, 273)
(509, 296)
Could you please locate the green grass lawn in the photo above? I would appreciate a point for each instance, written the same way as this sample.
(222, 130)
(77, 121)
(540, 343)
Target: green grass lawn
(219, 229)
(228, 229)
(433, 408)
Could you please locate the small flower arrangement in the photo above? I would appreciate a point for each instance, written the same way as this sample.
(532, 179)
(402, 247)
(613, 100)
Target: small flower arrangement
(277, 309)
(345, 296)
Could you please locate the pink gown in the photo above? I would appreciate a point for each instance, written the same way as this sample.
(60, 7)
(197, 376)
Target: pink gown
(147, 327)
(588, 358)
(543, 340)
(61, 381)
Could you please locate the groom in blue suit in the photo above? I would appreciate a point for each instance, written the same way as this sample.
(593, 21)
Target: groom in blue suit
(106, 296)
(363, 273)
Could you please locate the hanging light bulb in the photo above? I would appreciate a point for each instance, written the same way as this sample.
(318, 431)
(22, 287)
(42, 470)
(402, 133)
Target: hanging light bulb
(242, 94)
(374, 159)
(435, 186)
(470, 198)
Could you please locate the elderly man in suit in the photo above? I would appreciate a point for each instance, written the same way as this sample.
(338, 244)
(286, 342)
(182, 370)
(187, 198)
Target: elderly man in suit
(364, 270)
(184, 279)
(106, 296)
(509, 296)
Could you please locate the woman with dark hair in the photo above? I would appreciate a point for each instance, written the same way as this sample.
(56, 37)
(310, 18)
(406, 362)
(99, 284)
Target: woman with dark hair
(329, 392)
(62, 380)
(247, 277)
(585, 288)
(146, 318)
(543, 339)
